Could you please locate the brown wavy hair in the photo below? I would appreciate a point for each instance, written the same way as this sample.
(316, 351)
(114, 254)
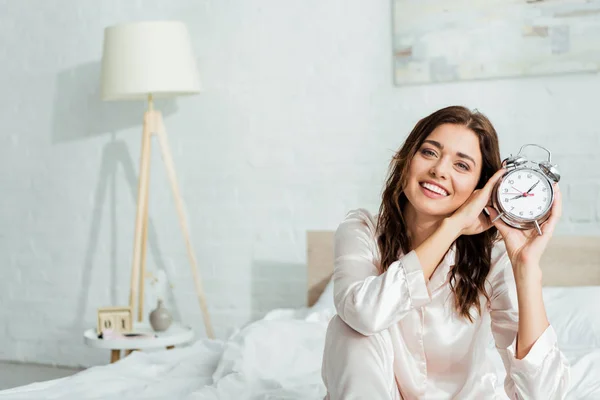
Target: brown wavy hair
(473, 252)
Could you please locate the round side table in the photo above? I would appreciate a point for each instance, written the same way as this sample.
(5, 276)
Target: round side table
(176, 334)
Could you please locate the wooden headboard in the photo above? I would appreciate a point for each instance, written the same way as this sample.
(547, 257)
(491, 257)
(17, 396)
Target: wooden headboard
(568, 261)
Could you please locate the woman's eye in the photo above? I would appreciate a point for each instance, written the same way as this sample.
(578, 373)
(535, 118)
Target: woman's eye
(430, 153)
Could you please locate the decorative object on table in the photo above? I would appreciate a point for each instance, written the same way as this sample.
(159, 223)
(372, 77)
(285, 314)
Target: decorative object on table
(524, 195)
(160, 318)
(114, 319)
(140, 61)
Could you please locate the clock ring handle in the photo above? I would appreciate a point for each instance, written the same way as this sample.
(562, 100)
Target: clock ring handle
(536, 145)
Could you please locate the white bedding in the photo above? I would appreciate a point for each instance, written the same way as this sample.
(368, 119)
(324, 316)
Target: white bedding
(278, 357)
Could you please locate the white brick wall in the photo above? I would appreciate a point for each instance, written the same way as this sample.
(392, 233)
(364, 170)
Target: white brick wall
(296, 125)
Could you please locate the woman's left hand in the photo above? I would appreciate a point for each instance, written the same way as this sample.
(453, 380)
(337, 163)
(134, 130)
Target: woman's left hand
(525, 247)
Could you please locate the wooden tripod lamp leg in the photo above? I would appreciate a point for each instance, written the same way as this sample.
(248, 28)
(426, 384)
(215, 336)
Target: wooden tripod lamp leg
(115, 355)
(168, 160)
(144, 236)
(140, 212)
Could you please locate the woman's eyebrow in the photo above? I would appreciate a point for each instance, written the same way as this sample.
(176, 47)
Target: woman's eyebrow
(441, 147)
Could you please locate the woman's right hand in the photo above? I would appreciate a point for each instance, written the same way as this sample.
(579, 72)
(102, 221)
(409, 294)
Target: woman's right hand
(469, 219)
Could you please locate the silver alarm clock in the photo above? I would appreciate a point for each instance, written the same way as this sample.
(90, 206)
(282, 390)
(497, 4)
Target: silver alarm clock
(524, 195)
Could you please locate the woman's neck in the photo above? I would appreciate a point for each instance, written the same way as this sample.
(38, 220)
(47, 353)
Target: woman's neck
(419, 226)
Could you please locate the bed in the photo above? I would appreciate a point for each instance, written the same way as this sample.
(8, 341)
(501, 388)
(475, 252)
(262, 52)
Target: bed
(279, 356)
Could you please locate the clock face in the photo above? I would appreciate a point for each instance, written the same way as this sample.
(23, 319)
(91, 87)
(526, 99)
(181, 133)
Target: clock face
(525, 193)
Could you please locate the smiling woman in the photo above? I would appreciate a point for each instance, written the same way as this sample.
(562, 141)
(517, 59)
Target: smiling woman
(420, 288)
(446, 157)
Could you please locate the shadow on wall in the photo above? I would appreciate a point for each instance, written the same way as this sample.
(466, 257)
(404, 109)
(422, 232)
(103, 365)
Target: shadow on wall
(80, 113)
(277, 285)
(115, 155)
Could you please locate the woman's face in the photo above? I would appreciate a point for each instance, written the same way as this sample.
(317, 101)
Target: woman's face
(444, 171)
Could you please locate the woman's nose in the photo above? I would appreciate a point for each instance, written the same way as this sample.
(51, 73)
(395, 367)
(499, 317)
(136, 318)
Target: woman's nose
(439, 170)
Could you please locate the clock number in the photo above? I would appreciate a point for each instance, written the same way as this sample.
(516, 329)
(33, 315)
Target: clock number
(543, 189)
(544, 199)
(519, 176)
(530, 212)
(529, 175)
(511, 181)
(506, 199)
(512, 208)
(539, 207)
(505, 190)
(520, 212)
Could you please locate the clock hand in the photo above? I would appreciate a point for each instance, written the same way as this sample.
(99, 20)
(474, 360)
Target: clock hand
(520, 194)
(531, 188)
(524, 194)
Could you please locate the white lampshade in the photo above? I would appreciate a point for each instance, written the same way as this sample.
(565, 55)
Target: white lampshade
(151, 57)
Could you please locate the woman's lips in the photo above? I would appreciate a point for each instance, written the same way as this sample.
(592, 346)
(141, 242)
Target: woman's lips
(430, 194)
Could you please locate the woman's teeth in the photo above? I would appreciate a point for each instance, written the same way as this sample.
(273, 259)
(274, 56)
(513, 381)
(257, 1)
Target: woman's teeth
(434, 188)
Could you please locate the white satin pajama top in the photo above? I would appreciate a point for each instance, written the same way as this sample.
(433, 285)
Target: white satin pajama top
(437, 353)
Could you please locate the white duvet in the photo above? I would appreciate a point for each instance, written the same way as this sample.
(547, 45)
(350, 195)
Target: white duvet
(278, 357)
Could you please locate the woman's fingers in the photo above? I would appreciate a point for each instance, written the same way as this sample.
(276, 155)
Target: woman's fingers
(498, 223)
(476, 203)
(486, 223)
(493, 180)
(486, 191)
(555, 212)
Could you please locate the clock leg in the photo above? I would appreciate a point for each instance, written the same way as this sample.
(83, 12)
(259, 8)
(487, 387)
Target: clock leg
(537, 226)
(497, 217)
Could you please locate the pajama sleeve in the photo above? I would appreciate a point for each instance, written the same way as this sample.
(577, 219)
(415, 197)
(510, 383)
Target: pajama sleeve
(366, 299)
(544, 373)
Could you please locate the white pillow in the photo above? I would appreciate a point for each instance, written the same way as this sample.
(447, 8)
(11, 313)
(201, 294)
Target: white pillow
(574, 313)
(325, 301)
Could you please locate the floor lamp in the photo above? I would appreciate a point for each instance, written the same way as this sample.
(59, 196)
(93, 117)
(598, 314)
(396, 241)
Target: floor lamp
(143, 61)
